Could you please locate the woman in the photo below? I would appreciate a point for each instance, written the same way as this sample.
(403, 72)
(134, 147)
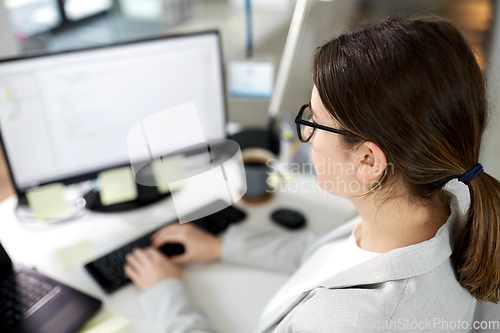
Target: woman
(400, 107)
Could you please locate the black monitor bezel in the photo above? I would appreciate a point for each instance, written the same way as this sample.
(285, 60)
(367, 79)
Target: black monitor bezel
(92, 175)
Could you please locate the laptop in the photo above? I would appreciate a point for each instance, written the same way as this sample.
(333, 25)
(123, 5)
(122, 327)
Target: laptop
(31, 302)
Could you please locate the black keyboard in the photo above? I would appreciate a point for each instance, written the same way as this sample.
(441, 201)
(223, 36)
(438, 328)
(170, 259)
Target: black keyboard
(108, 270)
(18, 293)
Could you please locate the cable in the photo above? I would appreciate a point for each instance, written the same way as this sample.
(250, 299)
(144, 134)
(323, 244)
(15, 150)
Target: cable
(77, 209)
(24, 214)
(248, 12)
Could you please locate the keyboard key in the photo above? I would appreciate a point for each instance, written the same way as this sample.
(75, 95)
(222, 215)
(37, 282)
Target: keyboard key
(18, 293)
(108, 270)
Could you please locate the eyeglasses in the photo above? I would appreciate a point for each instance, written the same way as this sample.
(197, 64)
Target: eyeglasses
(306, 126)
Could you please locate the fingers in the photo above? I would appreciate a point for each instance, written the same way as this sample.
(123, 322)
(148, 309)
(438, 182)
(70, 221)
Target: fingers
(180, 259)
(146, 267)
(154, 253)
(199, 245)
(131, 273)
(166, 238)
(174, 233)
(136, 260)
(132, 261)
(164, 234)
(166, 229)
(157, 256)
(140, 255)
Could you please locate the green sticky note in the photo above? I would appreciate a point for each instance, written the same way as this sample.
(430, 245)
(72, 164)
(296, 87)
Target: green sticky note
(169, 170)
(47, 201)
(117, 185)
(107, 322)
(77, 254)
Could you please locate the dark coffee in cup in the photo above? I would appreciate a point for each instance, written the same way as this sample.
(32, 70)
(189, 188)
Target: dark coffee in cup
(257, 171)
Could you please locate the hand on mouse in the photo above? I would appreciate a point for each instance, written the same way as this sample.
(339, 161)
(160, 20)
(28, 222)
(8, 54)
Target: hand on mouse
(199, 245)
(147, 267)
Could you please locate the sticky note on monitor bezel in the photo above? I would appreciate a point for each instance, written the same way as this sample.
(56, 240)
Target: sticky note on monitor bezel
(47, 201)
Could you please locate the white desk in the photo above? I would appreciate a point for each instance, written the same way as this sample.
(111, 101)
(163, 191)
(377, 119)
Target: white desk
(217, 288)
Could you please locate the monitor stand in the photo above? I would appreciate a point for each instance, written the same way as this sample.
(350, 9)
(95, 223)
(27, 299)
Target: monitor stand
(146, 196)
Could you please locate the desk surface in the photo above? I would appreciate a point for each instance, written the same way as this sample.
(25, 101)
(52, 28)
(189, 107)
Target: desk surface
(217, 288)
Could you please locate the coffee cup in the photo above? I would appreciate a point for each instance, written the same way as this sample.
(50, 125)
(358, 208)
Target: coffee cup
(257, 163)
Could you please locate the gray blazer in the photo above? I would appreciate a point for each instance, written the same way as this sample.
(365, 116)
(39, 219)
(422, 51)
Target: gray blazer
(410, 289)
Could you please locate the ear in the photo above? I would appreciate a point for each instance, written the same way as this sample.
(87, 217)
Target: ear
(372, 162)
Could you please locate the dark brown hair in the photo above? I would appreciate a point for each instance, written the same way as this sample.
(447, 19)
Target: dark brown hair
(413, 87)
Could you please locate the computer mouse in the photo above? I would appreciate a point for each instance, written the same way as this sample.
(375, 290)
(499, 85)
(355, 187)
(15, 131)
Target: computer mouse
(172, 249)
(288, 218)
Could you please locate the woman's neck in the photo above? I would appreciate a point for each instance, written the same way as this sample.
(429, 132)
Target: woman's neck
(387, 225)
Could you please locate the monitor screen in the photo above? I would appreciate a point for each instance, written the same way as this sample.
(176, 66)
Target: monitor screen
(79, 9)
(65, 116)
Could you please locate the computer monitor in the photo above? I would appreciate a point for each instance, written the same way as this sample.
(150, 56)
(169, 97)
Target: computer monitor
(65, 117)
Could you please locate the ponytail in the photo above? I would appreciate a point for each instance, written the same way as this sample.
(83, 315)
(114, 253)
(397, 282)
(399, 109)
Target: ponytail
(476, 255)
(413, 86)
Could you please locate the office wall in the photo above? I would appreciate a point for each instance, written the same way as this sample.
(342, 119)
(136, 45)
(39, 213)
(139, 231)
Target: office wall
(325, 20)
(252, 112)
(8, 45)
(490, 155)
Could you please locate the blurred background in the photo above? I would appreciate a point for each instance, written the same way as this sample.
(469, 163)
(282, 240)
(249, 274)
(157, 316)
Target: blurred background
(29, 27)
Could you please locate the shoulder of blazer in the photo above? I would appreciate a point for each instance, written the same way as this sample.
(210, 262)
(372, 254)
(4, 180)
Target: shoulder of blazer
(352, 309)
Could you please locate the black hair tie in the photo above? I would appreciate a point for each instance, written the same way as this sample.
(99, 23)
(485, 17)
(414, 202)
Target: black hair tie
(467, 177)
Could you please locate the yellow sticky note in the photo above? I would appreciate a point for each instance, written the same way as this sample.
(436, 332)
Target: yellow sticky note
(117, 185)
(107, 322)
(8, 94)
(77, 254)
(47, 201)
(169, 170)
